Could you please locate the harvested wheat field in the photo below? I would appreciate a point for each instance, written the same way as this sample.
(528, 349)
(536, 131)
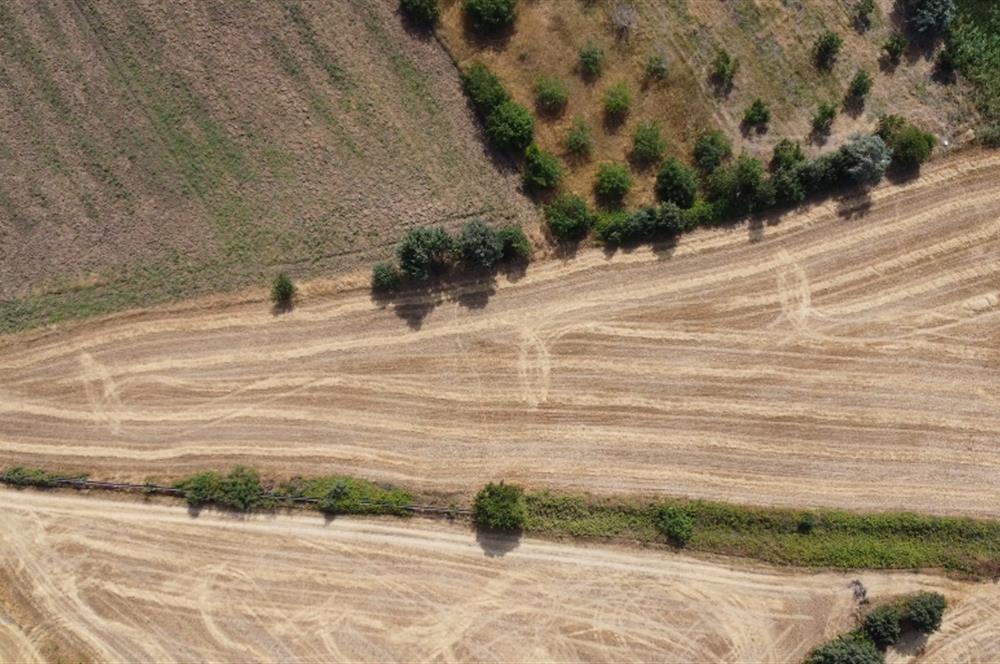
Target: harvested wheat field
(86, 577)
(847, 356)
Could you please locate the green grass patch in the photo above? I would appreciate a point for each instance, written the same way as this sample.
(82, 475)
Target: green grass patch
(975, 35)
(340, 494)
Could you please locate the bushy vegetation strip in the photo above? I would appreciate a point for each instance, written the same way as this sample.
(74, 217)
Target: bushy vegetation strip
(807, 538)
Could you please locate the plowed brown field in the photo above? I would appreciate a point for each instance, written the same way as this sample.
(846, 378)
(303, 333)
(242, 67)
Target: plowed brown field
(91, 578)
(847, 356)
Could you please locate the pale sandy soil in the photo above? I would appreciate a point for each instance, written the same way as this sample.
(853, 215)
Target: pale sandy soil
(111, 580)
(845, 358)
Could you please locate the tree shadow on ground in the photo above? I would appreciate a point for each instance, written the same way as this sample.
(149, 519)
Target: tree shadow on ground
(911, 643)
(497, 544)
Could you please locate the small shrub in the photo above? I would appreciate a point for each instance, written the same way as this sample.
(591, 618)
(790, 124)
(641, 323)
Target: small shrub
(724, 69)
(617, 102)
(484, 89)
(863, 13)
(787, 153)
(479, 245)
(894, 47)
(822, 121)
(826, 49)
(911, 147)
(758, 114)
(500, 507)
(283, 290)
(568, 217)
(491, 16)
(424, 13)
(516, 245)
(676, 183)
(510, 127)
(612, 227)
(591, 60)
(711, 148)
(675, 524)
(550, 95)
(882, 626)
(648, 144)
(656, 67)
(542, 170)
(850, 649)
(385, 277)
(424, 252)
(578, 139)
(613, 183)
(860, 86)
(924, 610)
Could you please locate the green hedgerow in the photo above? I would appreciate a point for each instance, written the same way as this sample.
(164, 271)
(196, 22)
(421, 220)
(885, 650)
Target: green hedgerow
(424, 252)
(578, 139)
(883, 626)
(711, 148)
(568, 217)
(849, 649)
(516, 245)
(542, 170)
(385, 277)
(648, 144)
(675, 524)
(894, 47)
(500, 507)
(424, 13)
(484, 89)
(787, 153)
(479, 245)
(676, 183)
(510, 127)
(491, 16)
(613, 183)
(550, 95)
(924, 610)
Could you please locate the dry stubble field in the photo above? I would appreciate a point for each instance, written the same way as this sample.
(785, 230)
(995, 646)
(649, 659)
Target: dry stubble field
(846, 356)
(86, 577)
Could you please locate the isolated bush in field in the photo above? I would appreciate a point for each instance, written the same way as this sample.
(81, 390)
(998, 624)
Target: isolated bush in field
(510, 127)
(591, 60)
(516, 245)
(675, 524)
(542, 170)
(568, 217)
(500, 507)
(617, 102)
(648, 144)
(479, 245)
(758, 114)
(613, 183)
(550, 95)
(578, 139)
(385, 277)
(724, 69)
(826, 49)
(787, 153)
(923, 611)
(882, 626)
(656, 67)
(863, 13)
(894, 47)
(484, 89)
(740, 188)
(424, 252)
(424, 13)
(929, 18)
(676, 183)
(822, 121)
(491, 16)
(865, 159)
(849, 649)
(283, 290)
(859, 87)
(711, 148)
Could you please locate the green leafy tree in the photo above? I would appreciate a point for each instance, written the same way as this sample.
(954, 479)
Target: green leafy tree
(542, 170)
(385, 277)
(648, 144)
(491, 16)
(241, 490)
(787, 153)
(676, 183)
(910, 145)
(578, 139)
(711, 148)
(865, 159)
(424, 252)
(516, 245)
(568, 217)
(924, 611)
(860, 86)
(500, 507)
(724, 69)
(550, 95)
(591, 60)
(863, 13)
(846, 650)
(822, 121)
(484, 89)
(510, 127)
(201, 489)
(480, 245)
(882, 626)
(826, 49)
(675, 524)
(283, 290)
(894, 47)
(741, 188)
(424, 13)
(613, 183)
(758, 114)
(617, 102)
(929, 18)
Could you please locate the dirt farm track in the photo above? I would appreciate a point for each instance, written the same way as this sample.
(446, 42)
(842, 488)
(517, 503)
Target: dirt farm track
(86, 577)
(846, 356)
